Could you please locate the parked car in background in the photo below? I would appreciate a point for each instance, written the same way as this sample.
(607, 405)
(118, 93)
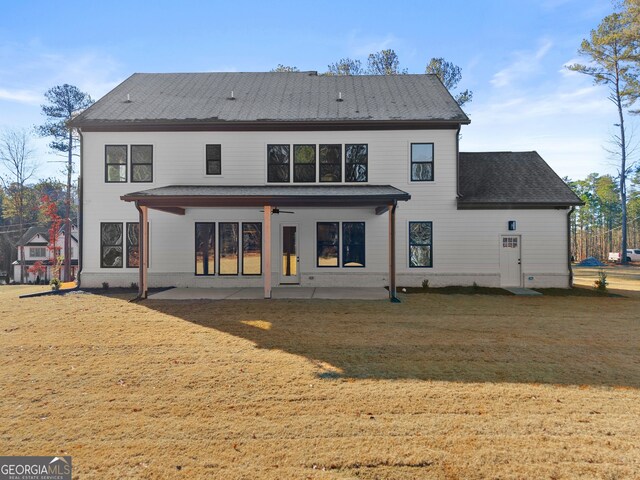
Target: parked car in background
(633, 255)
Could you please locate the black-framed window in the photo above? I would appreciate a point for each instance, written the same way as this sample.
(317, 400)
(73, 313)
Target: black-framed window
(111, 239)
(252, 248)
(328, 244)
(278, 160)
(420, 244)
(115, 159)
(133, 243)
(422, 162)
(330, 157)
(353, 244)
(356, 162)
(228, 258)
(205, 248)
(214, 159)
(304, 163)
(141, 163)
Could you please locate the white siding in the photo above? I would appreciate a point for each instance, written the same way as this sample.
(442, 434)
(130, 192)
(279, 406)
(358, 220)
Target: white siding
(465, 244)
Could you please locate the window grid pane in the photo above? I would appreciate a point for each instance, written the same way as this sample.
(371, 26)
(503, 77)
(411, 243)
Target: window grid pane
(353, 244)
(111, 245)
(304, 163)
(420, 244)
(228, 256)
(205, 249)
(115, 163)
(330, 163)
(356, 162)
(141, 163)
(422, 162)
(252, 248)
(278, 163)
(328, 241)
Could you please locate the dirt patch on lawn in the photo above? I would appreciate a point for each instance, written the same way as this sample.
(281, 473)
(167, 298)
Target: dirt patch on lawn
(440, 386)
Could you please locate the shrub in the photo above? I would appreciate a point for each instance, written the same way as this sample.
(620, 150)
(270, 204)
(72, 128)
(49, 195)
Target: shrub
(134, 286)
(425, 283)
(105, 285)
(55, 283)
(601, 283)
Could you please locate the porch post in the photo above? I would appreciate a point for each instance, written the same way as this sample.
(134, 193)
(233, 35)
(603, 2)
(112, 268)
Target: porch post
(266, 254)
(392, 253)
(143, 255)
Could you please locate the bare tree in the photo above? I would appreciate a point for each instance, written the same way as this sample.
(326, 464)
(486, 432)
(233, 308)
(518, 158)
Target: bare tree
(16, 156)
(345, 66)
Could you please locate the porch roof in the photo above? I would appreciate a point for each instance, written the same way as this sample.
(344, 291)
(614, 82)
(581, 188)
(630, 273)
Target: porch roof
(183, 196)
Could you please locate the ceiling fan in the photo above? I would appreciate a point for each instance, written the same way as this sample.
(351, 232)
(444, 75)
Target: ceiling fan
(276, 211)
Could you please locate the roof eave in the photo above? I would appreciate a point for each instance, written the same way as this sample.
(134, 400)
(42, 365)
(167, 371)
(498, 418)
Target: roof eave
(262, 125)
(471, 205)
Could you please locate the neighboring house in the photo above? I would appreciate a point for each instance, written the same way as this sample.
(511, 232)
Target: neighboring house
(261, 179)
(35, 243)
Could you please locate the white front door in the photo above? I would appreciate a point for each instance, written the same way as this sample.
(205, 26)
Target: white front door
(510, 271)
(289, 255)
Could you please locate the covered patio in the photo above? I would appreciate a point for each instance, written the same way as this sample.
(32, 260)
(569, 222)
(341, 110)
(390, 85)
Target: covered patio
(176, 199)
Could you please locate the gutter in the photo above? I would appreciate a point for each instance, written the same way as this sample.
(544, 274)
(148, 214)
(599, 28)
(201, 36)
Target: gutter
(80, 211)
(571, 210)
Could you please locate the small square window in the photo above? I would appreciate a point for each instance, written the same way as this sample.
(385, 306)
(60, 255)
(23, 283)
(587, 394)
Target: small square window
(214, 159)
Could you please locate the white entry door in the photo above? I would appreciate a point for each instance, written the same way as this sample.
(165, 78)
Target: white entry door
(510, 268)
(289, 256)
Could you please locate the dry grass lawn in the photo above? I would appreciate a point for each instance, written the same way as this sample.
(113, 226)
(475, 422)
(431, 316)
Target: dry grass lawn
(440, 386)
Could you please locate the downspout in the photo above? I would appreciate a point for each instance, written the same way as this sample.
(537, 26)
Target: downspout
(458, 162)
(571, 210)
(141, 252)
(80, 212)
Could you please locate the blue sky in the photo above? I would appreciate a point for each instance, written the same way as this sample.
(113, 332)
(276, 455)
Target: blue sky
(512, 55)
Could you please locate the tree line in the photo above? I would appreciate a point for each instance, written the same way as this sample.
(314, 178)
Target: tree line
(596, 227)
(387, 62)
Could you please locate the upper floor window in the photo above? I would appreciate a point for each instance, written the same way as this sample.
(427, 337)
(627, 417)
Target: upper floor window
(422, 162)
(141, 163)
(331, 163)
(356, 162)
(214, 159)
(304, 163)
(37, 251)
(115, 163)
(278, 163)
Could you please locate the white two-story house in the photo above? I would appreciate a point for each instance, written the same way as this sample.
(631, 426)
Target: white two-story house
(269, 179)
(35, 254)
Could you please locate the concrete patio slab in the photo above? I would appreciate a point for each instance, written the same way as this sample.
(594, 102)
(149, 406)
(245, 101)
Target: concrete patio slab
(256, 293)
(293, 292)
(195, 294)
(522, 291)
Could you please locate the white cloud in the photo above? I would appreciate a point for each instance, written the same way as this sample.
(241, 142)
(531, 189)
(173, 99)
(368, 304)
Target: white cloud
(21, 96)
(525, 63)
(362, 46)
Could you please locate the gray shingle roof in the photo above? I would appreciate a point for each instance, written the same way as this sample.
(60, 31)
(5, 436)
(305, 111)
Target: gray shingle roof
(32, 232)
(511, 179)
(272, 97)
